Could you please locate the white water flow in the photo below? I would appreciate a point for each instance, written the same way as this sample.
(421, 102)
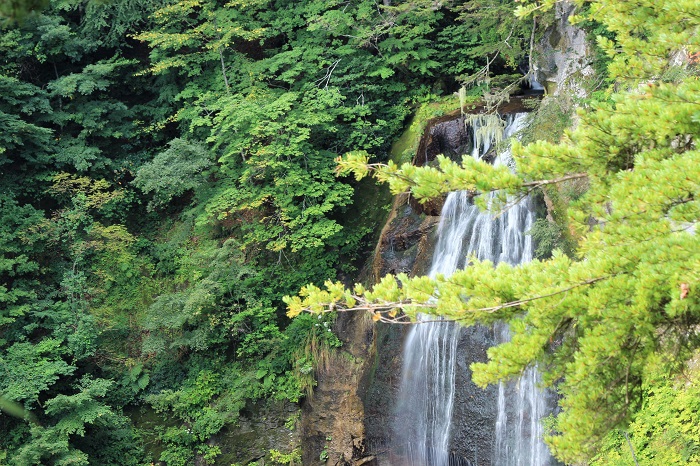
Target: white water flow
(426, 397)
(521, 406)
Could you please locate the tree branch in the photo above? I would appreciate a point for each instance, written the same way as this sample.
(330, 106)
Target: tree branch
(386, 307)
(376, 167)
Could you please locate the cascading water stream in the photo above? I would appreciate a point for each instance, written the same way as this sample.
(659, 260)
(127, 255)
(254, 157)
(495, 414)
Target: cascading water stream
(427, 393)
(518, 431)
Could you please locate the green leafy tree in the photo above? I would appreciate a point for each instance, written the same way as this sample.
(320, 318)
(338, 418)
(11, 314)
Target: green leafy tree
(79, 415)
(269, 155)
(664, 431)
(51, 342)
(17, 10)
(179, 169)
(18, 269)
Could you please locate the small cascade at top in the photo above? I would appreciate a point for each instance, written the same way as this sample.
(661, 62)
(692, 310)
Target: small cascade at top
(425, 416)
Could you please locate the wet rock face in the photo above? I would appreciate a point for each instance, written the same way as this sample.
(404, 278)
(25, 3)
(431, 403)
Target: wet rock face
(446, 135)
(475, 410)
(404, 246)
(332, 425)
(261, 429)
(562, 57)
(346, 419)
(380, 387)
(474, 417)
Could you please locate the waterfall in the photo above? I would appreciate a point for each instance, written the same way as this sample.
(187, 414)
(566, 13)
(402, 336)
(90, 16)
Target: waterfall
(426, 401)
(518, 431)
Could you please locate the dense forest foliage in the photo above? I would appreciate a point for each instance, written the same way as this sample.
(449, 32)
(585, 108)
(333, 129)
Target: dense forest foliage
(167, 175)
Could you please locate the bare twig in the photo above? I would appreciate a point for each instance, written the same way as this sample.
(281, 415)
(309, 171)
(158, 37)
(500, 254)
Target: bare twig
(329, 72)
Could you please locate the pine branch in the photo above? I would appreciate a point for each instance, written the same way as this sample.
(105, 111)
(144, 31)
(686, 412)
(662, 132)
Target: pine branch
(376, 309)
(530, 185)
